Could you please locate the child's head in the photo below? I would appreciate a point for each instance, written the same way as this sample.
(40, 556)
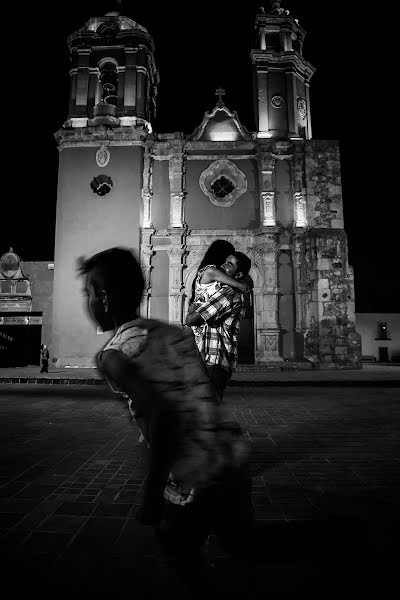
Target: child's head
(114, 286)
(243, 263)
(237, 265)
(217, 253)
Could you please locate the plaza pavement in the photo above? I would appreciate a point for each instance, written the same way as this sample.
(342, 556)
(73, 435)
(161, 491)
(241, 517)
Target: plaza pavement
(325, 465)
(285, 374)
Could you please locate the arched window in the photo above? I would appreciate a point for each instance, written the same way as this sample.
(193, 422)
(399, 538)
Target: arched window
(109, 83)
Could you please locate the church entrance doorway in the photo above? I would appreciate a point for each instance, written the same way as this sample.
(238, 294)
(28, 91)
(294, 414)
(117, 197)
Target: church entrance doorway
(246, 333)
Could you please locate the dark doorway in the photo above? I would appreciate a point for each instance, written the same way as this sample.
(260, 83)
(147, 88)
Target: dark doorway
(20, 345)
(383, 354)
(246, 333)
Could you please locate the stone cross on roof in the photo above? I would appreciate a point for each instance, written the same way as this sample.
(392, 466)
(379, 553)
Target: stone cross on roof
(220, 92)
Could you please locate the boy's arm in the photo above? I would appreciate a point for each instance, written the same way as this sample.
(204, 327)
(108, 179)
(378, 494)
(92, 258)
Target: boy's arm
(214, 274)
(118, 367)
(150, 512)
(219, 305)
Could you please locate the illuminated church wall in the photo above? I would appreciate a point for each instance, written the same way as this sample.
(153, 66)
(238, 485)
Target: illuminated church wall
(87, 223)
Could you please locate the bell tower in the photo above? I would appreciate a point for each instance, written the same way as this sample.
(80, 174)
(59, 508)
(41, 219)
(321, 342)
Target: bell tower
(113, 90)
(113, 75)
(281, 76)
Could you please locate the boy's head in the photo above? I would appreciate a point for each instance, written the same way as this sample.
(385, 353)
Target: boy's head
(237, 265)
(114, 286)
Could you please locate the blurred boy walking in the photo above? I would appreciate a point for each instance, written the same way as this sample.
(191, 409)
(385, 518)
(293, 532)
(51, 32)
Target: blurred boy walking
(197, 478)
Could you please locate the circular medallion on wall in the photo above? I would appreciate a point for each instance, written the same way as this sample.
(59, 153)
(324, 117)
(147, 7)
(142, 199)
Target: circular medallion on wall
(277, 101)
(102, 156)
(301, 108)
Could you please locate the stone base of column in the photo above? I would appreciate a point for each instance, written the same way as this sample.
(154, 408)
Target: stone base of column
(268, 346)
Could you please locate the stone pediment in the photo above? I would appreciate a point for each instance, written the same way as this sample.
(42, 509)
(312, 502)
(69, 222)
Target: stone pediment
(220, 125)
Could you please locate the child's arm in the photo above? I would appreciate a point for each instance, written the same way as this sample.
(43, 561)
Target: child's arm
(117, 366)
(214, 274)
(150, 512)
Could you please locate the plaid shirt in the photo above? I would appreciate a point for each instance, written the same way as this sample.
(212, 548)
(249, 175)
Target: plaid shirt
(217, 338)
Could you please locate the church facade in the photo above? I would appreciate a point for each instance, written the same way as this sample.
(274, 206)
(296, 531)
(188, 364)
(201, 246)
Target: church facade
(275, 194)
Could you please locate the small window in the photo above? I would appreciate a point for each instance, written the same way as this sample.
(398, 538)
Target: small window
(109, 83)
(382, 333)
(222, 187)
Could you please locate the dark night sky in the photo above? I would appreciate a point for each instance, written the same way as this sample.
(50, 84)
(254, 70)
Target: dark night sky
(200, 46)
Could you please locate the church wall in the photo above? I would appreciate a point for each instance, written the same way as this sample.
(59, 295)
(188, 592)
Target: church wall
(201, 213)
(87, 223)
(42, 279)
(323, 184)
(160, 203)
(331, 338)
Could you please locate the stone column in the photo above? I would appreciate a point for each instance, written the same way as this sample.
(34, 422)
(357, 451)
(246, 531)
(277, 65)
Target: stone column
(82, 82)
(176, 259)
(300, 205)
(147, 190)
(300, 284)
(293, 130)
(93, 81)
(264, 257)
(141, 92)
(177, 166)
(146, 253)
(263, 44)
(309, 131)
(120, 90)
(263, 107)
(267, 194)
(72, 92)
(130, 81)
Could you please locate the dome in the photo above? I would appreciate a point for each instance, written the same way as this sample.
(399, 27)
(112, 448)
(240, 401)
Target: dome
(9, 264)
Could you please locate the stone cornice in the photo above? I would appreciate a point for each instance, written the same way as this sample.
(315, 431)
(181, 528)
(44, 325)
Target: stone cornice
(283, 60)
(93, 136)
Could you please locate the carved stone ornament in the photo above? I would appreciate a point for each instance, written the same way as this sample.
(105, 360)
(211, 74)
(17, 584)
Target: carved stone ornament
(102, 156)
(223, 182)
(301, 109)
(300, 210)
(277, 101)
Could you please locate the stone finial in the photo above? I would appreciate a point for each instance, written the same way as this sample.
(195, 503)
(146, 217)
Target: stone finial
(276, 6)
